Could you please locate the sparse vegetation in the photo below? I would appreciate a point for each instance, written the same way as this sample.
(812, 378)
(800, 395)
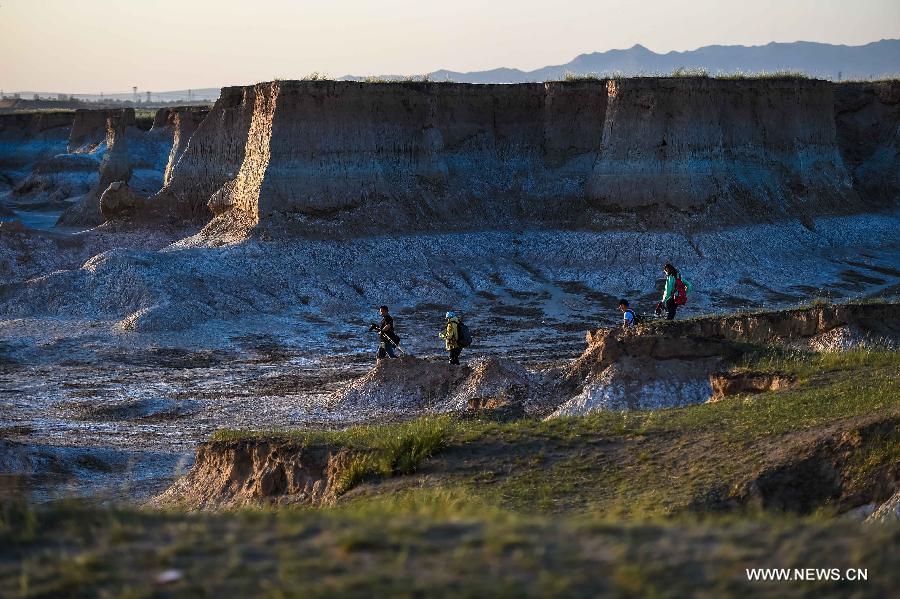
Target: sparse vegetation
(36, 110)
(688, 72)
(381, 450)
(575, 77)
(438, 544)
(781, 74)
(635, 464)
(426, 78)
(879, 79)
(618, 503)
(315, 76)
(143, 118)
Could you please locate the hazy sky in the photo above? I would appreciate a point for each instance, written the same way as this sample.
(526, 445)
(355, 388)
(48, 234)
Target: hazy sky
(89, 46)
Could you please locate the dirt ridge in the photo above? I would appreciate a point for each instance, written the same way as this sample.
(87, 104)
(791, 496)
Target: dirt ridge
(237, 473)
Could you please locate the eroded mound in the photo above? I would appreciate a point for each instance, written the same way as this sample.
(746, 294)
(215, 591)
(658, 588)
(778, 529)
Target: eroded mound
(237, 473)
(53, 471)
(148, 410)
(408, 385)
(669, 364)
(823, 468)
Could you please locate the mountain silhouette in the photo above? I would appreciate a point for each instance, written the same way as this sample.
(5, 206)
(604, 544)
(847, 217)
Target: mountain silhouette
(825, 61)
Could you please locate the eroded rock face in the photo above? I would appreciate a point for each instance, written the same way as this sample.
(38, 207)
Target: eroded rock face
(54, 180)
(101, 146)
(823, 469)
(736, 151)
(725, 384)
(90, 128)
(211, 159)
(118, 201)
(669, 364)
(340, 157)
(163, 118)
(26, 138)
(184, 123)
(27, 142)
(889, 511)
(234, 474)
(115, 166)
(868, 129)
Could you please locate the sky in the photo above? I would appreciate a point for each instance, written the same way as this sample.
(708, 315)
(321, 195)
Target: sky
(92, 46)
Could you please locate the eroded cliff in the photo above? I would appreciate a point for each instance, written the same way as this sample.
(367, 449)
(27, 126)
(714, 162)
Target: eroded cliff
(867, 115)
(336, 157)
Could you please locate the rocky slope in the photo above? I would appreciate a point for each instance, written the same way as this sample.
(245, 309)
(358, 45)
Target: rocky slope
(675, 364)
(658, 365)
(26, 139)
(332, 158)
(39, 171)
(115, 166)
(538, 279)
(867, 116)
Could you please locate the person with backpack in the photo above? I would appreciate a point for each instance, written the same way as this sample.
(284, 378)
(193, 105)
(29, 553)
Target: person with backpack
(628, 317)
(452, 337)
(388, 338)
(674, 292)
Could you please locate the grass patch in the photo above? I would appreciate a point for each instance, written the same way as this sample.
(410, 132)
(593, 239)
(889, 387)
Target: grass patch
(380, 450)
(143, 118)
(834, 389)
(426, 78)
(777, 74)
(578, 77)
(690, 72)
(314, 76)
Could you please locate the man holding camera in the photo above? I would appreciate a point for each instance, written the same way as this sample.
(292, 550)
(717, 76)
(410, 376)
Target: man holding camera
(389, 341)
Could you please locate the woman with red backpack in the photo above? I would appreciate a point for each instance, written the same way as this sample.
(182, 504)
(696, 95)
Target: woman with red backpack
(674, 292)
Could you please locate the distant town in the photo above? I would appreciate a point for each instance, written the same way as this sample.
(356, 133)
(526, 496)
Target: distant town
(28, 101)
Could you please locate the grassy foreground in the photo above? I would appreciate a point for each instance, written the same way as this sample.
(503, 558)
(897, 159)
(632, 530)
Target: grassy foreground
(427, 543)
(622, 504)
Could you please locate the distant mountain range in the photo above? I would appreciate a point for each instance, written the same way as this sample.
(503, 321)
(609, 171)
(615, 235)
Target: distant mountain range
(824, 61)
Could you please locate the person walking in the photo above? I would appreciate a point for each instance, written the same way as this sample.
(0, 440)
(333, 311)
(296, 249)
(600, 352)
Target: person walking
(628, 319)
(450, 335)
(674, 292)
(387, 336)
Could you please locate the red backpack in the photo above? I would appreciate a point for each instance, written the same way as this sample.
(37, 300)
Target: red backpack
(680, 292)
